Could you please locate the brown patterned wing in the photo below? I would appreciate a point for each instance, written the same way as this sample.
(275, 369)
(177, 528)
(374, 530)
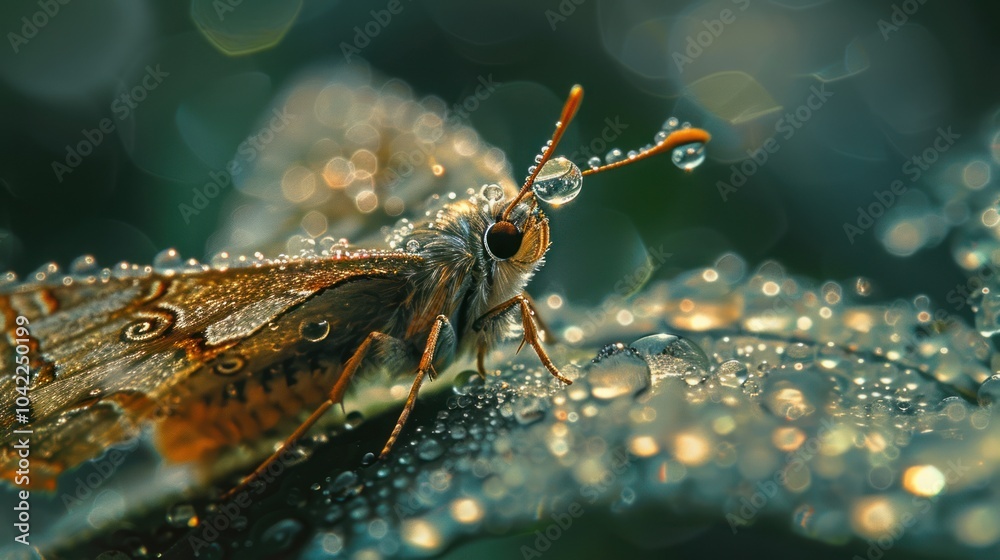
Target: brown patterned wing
(106, 353)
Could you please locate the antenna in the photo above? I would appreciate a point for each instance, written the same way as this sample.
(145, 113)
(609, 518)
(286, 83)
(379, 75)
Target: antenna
(568, 112)
(672, 141)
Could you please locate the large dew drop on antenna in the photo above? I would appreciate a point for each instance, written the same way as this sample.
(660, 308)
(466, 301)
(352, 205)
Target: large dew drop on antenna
(689, 156)
(558, 182)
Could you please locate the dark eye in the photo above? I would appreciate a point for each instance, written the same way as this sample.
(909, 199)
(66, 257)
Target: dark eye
(502, 240)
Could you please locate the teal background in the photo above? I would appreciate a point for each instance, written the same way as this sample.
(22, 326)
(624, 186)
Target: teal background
(120, 205)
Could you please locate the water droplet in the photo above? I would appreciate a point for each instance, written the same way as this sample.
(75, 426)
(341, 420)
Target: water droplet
(829, 356)
(281, 535)
(693, 377)
(85, 264)
(617, 370)
(167, 259)
(594, 162)
(731, 374)
(559, 181)
(863, 286)
(528, 410)
(800, 352)
(988, 314)
(221, 261)
(614, 156)
(46, 271)
(429, 449)
(492, 192)
(689, 156)
(345, 485)
(989, 391)
(297, 453)
(314, 331)
(670, 124)
(466, 381)
(670, 355)
(412, 246)
(353, 420)
(368, 459)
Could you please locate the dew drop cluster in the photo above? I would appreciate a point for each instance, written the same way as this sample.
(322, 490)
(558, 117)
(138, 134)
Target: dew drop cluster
(762, 398)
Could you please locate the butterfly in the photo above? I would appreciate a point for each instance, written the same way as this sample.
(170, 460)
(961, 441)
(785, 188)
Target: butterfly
(212, 356)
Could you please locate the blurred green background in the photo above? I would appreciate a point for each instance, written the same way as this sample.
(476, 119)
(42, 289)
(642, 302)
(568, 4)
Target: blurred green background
(896, 73)
(892, 87)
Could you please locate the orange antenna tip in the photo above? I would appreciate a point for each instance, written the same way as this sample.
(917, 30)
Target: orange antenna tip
(561, 180)
(692, 140)
(568, 112)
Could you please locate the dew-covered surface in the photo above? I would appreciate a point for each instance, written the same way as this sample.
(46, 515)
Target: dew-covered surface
(733, 401)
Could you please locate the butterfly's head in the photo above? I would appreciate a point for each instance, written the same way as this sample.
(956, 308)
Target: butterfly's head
(519, 230)
(520, 236)
(509, 239)
(507, 235)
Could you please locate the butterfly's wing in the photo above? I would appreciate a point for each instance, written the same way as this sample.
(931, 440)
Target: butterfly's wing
(108, 353)
(360, 152)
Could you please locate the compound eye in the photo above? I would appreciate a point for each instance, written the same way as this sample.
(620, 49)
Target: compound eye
(502, 240)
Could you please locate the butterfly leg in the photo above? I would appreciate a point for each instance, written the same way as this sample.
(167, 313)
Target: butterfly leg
(425, 367)
(528, 321)
(481, 349)
(543, 328)
(385, 345)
